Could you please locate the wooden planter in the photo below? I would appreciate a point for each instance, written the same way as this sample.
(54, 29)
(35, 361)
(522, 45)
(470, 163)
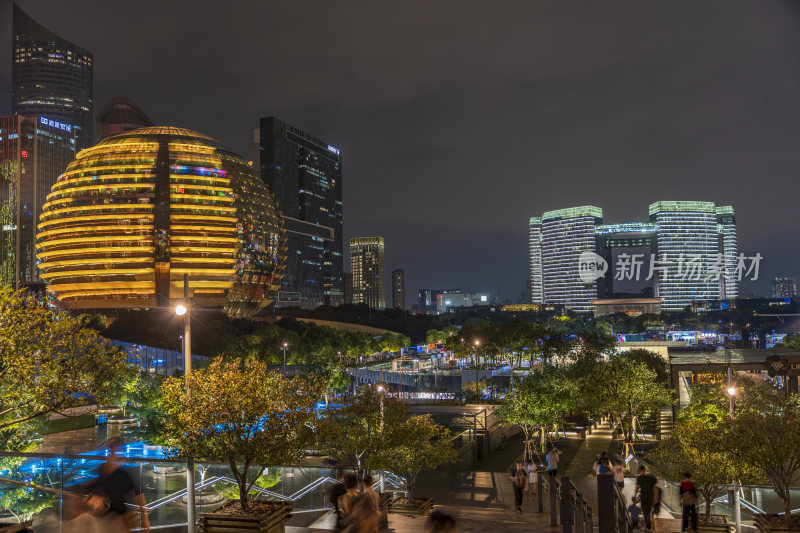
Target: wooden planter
(417, 506)
(271, 522)
(765, 525)
(716, 523)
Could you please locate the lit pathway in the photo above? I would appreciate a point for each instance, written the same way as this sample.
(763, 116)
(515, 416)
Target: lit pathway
(601, 440)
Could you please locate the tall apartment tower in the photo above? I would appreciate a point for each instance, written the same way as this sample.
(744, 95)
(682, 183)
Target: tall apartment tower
(535, 289)
(305, 175)
(566, 234)
(727, 253)
(51, 78)
(398, 289)
(33, 153)
(688, 247)
(366, 265)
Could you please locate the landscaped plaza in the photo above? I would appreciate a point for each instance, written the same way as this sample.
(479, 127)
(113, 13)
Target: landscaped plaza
(443, 424)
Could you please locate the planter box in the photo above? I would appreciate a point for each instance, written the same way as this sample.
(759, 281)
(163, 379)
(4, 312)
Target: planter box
(270, 522)
(717, 523)
(418, 506)
(766, 524)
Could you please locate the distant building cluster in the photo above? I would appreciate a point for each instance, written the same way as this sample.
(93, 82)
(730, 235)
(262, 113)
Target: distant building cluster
(784, 287)
(687, 252)
(438, 301)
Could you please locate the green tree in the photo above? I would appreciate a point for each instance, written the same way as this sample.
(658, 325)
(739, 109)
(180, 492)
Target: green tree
(49, 362)
(140, 393)
(239, 413)
(626, 386)
(540, 402)
(413, 445)
(696, 446)
(766, 435)
(354, 434)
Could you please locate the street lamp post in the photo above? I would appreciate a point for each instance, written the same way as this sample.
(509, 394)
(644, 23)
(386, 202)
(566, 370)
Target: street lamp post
(737, 513)
(285, 345)
(184, 311)
(380, 390)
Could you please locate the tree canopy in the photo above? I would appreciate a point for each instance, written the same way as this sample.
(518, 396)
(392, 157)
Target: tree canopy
(49, 362)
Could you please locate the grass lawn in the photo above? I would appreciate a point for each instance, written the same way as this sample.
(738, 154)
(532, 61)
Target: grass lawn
(69, 423)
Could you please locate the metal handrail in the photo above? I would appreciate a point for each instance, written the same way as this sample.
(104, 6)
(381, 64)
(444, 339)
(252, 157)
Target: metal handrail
(622, 518)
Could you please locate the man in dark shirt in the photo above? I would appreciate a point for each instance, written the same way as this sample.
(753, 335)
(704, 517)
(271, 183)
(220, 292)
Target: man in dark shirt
(114, 485)
(645, 483)
(334, 493)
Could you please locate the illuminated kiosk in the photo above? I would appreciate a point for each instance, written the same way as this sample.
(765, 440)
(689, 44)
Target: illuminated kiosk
(134, 213)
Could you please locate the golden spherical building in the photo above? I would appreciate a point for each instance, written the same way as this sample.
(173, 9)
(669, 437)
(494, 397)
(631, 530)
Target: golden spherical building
(135, 213)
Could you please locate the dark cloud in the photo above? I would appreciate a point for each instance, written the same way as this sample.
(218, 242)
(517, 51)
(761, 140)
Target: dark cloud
(459, 120)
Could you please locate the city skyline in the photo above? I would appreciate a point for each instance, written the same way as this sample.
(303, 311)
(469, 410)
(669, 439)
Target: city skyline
(703, 138)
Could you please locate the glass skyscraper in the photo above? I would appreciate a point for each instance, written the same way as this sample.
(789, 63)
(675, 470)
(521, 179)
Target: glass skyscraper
(535, 290)
(33, 152)
(687, 252)
(366, 265)
(566, 234)
(51, 77)
(688, 249)
(305, 175)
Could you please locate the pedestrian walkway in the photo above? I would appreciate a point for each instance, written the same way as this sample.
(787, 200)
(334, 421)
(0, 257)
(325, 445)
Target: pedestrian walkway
(665, 424)
(582, 463)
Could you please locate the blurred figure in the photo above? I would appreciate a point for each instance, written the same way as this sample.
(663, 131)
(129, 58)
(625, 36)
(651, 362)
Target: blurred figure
(109, 492)
(440, 522)
(371, 506)
(336, 492)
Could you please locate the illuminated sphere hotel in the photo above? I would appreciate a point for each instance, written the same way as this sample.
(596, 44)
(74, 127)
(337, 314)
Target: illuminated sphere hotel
(135, 213)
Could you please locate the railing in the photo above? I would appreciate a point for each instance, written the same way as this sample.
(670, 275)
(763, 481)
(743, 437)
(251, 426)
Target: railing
(576, 513)
(49, 479)
(552, 487)
(612, 511)
(564, 498)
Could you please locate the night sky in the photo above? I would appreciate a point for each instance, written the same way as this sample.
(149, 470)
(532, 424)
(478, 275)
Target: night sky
(457, 121)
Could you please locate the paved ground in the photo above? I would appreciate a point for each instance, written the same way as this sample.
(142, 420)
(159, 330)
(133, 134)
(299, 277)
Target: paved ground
(601, 440)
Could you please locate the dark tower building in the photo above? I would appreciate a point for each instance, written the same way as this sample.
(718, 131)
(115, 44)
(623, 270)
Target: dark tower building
(33, 153)
(119, 115)
(51, 78)
(398, 289)
(305, 175)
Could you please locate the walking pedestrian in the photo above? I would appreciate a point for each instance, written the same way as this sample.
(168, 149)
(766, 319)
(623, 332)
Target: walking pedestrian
(634, 511)
(688, 495)
(656, 506)
(644, 488)
(552, 462)
(531, 469)
(336, 492)
(619, 474)
(109, 492)
(519, 479)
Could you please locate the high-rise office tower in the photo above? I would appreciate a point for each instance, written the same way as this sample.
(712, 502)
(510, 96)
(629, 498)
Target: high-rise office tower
(34, 151)
(425, 299)
(398, 289)
(305, 175)
(728, 247)
(566, 234)
(535, 291)
(784, 287)
(366, 264)
(119, 115)
(688, 247)
(51, 77)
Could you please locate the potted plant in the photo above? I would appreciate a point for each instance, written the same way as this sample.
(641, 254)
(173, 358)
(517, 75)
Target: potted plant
(413, 445)
(766, 434)
(240, 414)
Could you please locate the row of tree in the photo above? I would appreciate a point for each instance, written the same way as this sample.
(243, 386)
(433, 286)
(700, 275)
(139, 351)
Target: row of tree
(759, 442)
(588, 382)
